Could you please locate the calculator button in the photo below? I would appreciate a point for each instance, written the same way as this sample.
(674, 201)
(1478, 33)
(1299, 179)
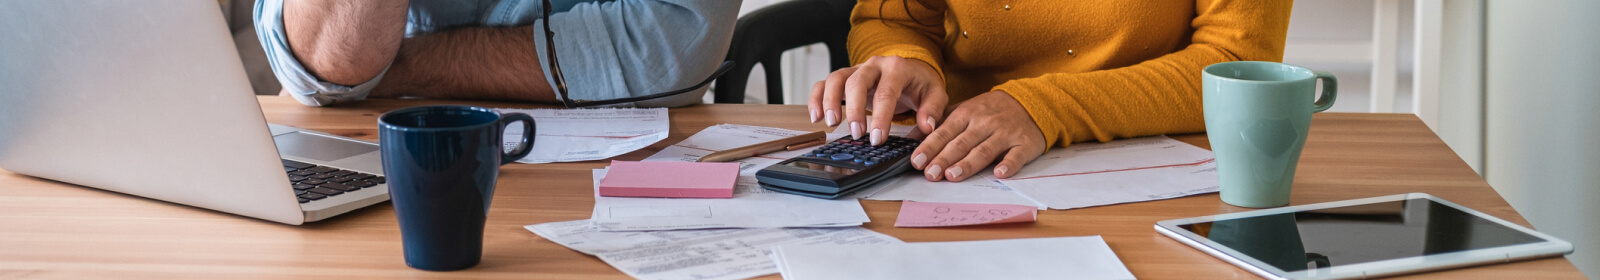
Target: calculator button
(861, 160)
(871, 163)
(841, 157)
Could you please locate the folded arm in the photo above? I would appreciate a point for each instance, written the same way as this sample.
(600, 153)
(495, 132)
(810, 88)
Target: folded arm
(608, 49)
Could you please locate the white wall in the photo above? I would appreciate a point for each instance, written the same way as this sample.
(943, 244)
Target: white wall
(1542, 127)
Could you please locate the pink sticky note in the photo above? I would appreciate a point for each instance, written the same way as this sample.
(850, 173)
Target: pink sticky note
(932, 214)
(670, 179)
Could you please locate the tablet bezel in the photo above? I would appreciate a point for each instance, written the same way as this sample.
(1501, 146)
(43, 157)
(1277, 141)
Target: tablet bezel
(1550, 246)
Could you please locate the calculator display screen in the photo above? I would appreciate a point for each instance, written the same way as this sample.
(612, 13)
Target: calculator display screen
(823, 167)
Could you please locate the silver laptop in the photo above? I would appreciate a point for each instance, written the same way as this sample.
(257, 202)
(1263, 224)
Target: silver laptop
(150, 99)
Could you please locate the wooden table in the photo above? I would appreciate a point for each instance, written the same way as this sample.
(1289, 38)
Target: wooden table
(54, 230)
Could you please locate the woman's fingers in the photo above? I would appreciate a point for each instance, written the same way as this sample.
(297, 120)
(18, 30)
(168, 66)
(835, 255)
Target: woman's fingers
(857, 90)
(833, 94)
(935, 142)
(976, 159)
(814, 106)
(884, 99)
(931, 110)
(1015, 158)
(953, 150)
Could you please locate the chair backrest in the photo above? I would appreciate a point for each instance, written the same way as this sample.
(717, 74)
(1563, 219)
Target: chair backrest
(763, 35)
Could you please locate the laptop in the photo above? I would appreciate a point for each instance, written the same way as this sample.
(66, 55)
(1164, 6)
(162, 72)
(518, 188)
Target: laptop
(151, 99)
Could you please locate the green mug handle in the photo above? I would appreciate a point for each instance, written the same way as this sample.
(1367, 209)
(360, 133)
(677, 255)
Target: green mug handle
(1330, 87)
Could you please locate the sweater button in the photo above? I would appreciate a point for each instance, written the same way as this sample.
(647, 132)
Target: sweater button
(1069, 52)
(1008, 7)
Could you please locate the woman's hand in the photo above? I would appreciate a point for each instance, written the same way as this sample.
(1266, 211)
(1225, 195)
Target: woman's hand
(881, 83)
(979, 131)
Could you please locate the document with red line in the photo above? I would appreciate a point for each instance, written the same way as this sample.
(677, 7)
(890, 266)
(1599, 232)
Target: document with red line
(1122, 171)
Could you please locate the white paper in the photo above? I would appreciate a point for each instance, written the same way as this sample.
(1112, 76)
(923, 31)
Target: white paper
(709, 254)
(1122, 171)
(750, 207)
(1085, 257)
(588, 134)
(978, 189)
(729, 136)
(913, 186)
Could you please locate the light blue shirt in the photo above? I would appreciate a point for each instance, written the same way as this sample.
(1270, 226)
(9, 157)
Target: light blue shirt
(608, 49)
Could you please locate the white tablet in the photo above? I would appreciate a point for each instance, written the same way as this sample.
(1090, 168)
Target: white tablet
(1370, 237)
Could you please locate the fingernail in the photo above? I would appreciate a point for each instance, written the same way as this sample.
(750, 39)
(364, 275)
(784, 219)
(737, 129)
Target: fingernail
(932, 173)
(930, 123)
(855, 130)
(833, 118)
(877, 136)
(1000, 171)
(953, 173)
(815, 116)
(919, 160)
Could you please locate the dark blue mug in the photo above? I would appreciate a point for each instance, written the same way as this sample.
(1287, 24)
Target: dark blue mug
(442, 162)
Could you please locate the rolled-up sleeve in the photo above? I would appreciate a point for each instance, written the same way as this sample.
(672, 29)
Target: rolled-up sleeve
(628, 48)
(306, 88)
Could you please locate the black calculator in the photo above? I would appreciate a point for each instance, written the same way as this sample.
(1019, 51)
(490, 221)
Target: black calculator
(839, 167)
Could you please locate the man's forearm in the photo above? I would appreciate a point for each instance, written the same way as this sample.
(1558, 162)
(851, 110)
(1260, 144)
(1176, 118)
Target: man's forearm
(469, 63)
(345, 41)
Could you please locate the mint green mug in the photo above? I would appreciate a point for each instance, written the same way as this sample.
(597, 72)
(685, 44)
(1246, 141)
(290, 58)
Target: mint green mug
(1257, 117)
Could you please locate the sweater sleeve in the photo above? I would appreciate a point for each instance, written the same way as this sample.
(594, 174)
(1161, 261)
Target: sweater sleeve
(1157, 96)
(909, 29)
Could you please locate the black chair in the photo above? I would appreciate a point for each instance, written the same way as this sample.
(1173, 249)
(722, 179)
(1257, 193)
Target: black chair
(763, 35)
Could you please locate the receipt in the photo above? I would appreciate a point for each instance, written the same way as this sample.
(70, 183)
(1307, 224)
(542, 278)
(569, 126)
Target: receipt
(588, 134)
(709, 254)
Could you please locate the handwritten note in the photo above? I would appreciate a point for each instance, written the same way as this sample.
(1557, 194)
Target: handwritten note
(929, 214)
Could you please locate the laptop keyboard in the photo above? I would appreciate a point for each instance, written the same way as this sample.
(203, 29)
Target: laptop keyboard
(314, 182)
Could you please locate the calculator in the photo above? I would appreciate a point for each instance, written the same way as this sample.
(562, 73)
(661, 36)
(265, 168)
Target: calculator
(839, 167)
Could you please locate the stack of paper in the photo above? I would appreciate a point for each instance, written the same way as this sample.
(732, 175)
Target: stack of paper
(696, 254)
(1037, 258)
(670, 179)
(750, 207)
(588, 134)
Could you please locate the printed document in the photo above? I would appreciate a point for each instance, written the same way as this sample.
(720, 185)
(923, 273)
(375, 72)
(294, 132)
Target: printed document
(978, 189)
(1085, 257)
(750, 207)
(588, 134)
(1122, 171)
(708, 254)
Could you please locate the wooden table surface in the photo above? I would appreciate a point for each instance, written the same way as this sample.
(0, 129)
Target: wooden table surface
(55, 230)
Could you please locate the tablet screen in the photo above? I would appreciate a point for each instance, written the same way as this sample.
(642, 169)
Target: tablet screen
(1358, 234)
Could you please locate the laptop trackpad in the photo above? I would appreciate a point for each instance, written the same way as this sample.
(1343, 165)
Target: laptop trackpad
(321, 148)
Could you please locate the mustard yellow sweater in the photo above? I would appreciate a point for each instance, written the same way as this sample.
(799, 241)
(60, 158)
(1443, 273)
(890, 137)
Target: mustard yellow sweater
(1091, 69)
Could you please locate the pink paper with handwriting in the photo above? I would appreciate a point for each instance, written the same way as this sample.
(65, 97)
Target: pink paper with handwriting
(931, 214)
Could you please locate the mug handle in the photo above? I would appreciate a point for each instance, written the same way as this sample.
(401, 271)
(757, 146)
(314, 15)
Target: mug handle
(1330, 88)
(526, 146)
